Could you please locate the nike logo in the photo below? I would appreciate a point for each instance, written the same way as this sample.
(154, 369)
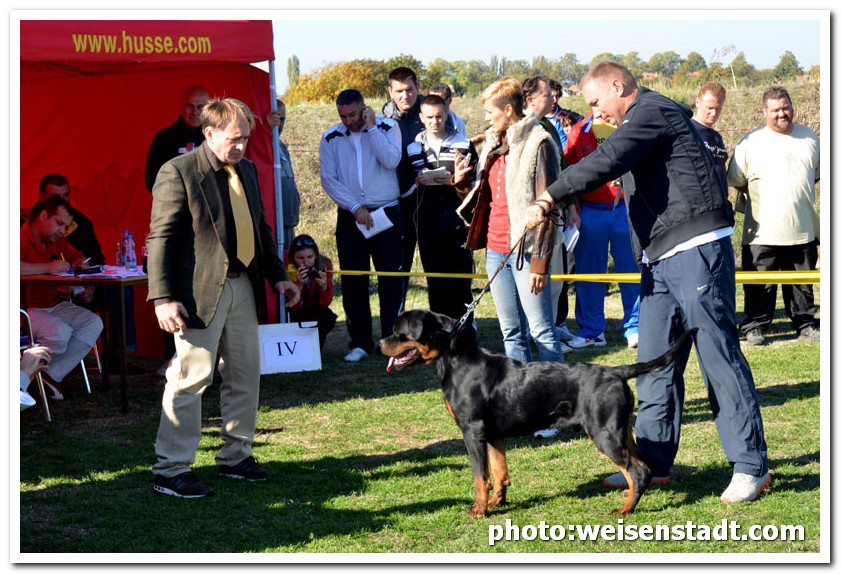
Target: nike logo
(701, 287)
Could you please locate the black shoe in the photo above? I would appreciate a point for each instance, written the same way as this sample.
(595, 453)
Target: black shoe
(185, 485)
(248, 469)
(810, 334)
(755, 337)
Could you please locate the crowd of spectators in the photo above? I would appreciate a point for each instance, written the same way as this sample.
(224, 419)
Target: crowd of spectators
(411, 179)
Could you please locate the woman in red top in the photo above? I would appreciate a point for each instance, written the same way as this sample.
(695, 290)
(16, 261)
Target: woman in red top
(518, 161)
(313, 274)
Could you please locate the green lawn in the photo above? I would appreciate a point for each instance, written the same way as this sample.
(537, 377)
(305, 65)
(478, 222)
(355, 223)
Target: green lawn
(372, 462)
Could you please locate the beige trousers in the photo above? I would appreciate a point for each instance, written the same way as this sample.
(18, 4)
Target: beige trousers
(232, 334)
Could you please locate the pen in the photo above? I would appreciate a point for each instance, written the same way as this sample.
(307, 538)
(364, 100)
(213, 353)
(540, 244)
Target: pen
(62, 256)
(85, 262)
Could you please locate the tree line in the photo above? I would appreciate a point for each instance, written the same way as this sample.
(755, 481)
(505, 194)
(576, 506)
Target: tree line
(470, 77)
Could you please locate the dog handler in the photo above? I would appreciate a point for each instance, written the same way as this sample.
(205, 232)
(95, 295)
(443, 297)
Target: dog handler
(681, 223)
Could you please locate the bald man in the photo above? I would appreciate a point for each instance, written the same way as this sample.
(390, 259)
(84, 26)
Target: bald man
(181, 137)
(681, 223)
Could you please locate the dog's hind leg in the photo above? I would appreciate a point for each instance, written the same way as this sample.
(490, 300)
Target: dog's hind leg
(613, 444)
(499, 472)
(638, 469)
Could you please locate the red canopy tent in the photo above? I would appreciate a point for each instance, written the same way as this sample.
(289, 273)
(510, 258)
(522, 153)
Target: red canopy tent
(94, 93)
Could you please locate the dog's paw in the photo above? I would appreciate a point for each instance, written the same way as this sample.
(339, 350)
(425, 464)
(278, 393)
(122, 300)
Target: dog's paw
(477, 511)
(627, 508)
(496, 501)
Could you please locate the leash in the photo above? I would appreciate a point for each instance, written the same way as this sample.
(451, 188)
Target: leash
(519, 246)
(472, 306)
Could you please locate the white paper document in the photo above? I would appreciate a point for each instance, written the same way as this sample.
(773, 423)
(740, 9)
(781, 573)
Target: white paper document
(381, 223)
(571, 237)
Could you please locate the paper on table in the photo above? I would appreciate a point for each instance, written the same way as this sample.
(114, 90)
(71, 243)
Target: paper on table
(114, 272)
(571, 237)
(381, 223)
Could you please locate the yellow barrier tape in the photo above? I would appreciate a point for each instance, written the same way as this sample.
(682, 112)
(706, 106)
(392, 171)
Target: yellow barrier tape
(749, 277)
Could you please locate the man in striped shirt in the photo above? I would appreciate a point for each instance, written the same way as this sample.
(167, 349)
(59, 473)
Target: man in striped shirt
(441, 232)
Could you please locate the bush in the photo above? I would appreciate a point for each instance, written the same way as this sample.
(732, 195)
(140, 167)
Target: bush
(323, 85)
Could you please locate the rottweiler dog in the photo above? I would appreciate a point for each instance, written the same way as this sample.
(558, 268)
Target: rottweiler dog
(492, 397)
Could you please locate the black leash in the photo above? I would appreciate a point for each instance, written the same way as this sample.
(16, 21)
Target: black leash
(470, 308)
(519, 246)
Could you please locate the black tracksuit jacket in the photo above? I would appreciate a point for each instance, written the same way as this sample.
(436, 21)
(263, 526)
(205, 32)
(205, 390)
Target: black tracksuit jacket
(669, 177)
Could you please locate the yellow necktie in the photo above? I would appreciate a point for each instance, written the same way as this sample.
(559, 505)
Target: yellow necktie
(242, 217)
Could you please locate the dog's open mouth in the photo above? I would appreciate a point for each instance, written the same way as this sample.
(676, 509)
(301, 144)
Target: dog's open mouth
(402, 359)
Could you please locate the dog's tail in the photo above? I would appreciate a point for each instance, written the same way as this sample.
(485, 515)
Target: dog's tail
(637, 369)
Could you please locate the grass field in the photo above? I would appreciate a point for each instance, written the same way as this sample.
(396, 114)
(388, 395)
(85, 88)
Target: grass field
(371, 462)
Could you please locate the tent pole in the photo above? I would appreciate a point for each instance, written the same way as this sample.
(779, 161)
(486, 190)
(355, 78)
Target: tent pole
(278, 190)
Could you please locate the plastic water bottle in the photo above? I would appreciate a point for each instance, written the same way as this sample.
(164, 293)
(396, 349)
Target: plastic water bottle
(131, 256)
(118, 260)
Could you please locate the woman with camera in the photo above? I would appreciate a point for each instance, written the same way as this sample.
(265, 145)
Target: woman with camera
(313, 274)
(518, 161)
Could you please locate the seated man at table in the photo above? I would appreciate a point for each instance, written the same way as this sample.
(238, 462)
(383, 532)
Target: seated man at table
(67, 330)
(82, 236)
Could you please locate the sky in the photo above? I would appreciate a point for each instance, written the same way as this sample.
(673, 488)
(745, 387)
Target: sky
(526, 34)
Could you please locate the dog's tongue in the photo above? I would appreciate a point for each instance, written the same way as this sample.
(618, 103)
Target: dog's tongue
(391, 362)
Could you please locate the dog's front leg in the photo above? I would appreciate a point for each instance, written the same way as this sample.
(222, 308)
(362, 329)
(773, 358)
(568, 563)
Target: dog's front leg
(474, 440)
(499, 472)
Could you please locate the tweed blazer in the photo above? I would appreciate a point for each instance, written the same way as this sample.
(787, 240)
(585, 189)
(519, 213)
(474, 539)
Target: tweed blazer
(187, 261)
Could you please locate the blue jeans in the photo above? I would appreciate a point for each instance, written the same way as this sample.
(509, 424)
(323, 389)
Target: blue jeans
(696, 288)
(600, 227)
(521, 312)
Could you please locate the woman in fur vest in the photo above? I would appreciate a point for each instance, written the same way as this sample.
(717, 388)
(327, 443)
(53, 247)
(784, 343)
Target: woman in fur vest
(518, 162)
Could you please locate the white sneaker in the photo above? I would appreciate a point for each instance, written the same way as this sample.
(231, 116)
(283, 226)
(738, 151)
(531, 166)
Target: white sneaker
(26, 400)
(617, 480)
(633, 340)
(356, 354)
(564, 334)
(566, 348)
(581, 342)
(745, 488)
(547, 433)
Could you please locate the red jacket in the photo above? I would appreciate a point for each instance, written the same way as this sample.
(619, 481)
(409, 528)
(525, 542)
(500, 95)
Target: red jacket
(313, 296)
(581, 142)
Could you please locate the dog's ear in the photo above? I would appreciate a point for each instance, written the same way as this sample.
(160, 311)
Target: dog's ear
(437, 330)
(415, 324)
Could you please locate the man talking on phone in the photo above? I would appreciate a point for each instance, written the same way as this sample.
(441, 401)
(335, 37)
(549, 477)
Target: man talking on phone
(359, 158)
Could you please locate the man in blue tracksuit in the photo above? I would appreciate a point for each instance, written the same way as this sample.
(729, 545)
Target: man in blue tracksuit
(681, 223)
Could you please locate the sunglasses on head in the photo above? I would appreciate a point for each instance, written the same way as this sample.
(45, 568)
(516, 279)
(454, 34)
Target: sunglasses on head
(304, 241)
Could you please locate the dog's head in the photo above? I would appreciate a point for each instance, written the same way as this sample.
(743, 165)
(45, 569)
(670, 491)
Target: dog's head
(419, 338)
